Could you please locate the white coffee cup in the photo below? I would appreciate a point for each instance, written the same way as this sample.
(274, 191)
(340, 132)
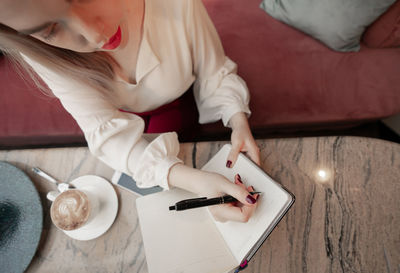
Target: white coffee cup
(73, 209)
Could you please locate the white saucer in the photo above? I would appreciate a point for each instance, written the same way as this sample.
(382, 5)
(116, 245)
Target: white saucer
(108, 202)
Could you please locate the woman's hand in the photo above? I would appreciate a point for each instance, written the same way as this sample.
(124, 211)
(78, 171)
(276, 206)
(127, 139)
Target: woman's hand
(242, 140)
(212, 185)
(239, 211)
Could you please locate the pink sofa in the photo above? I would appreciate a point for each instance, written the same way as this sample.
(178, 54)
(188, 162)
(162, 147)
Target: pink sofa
(296, 82)
(28, 117)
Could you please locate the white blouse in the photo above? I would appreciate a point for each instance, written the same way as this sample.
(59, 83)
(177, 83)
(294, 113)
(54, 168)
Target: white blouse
(179, 46)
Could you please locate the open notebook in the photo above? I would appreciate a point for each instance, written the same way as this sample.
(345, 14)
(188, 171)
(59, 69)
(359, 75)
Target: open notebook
(192, 241)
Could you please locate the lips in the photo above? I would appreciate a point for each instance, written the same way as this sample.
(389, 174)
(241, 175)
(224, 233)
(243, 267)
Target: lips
(114, 41)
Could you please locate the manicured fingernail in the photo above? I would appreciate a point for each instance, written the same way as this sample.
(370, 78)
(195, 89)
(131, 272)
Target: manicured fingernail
(228, 164)
(239, 178)
(250, 199)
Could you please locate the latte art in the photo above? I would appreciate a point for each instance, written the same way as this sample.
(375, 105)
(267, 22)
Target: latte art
(70, 210)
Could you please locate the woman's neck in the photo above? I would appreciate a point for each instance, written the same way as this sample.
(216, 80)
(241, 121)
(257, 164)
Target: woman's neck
(127, 56)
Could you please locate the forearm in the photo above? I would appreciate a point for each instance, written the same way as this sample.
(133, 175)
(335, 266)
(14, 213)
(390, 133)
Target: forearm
(239, 121)
(187, 178)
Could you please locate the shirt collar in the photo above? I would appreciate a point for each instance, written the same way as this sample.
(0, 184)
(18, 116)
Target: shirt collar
(147, 59)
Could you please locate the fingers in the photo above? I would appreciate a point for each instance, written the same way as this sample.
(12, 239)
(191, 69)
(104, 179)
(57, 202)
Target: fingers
(235, 212)
(239, 211)
(241, 194)
(232, 157)
(252, 151)
(248, 211)
(239, 182)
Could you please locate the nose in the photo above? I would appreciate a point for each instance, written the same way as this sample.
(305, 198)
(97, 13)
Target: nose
(89, 26)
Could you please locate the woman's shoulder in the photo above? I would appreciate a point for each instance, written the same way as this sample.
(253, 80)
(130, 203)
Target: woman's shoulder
(58, 83)
(177, 7)
(44, 71)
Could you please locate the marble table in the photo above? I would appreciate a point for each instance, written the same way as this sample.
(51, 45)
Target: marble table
(346, 217)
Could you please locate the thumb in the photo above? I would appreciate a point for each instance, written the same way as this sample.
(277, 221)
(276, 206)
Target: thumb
(232, 156)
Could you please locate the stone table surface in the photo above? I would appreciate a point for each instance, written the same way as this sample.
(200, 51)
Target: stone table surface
(346, 217)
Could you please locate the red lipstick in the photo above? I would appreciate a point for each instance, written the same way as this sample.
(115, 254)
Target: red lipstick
(114, 41)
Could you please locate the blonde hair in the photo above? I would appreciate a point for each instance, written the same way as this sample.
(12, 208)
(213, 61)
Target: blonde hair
(94, 69)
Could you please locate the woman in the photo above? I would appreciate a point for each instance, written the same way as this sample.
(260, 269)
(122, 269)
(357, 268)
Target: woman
(107, 59)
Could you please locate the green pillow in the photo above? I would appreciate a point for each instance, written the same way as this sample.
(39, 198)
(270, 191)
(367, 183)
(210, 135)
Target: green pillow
(337, 23)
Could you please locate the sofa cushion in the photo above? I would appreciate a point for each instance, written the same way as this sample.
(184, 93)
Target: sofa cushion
(337, 23)
(385, 32)
(29, 118)
(295, 81)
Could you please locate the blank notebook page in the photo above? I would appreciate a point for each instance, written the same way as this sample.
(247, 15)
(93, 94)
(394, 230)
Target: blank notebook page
(241, 237)
(181, 241)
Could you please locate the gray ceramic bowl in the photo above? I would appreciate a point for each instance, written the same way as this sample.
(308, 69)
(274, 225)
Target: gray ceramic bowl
(21, 219)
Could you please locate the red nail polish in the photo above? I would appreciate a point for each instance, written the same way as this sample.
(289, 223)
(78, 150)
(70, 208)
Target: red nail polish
(239, 178)
(228, 164)
(250, 199)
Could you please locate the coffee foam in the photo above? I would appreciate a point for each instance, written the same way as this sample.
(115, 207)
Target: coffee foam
(70, 210)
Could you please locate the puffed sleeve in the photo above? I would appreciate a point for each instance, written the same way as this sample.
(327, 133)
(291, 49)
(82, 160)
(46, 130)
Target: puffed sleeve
(219, 91)
(113, 136)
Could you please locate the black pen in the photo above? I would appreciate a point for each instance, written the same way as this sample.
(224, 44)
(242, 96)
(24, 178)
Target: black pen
(204, 201)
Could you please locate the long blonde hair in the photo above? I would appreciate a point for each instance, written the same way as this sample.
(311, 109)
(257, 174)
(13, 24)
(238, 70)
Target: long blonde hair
(94, 69)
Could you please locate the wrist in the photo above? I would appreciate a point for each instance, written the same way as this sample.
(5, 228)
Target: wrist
(238, 120)
(193, 180)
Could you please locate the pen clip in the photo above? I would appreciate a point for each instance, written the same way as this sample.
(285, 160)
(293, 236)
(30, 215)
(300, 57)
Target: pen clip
(191, 200)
